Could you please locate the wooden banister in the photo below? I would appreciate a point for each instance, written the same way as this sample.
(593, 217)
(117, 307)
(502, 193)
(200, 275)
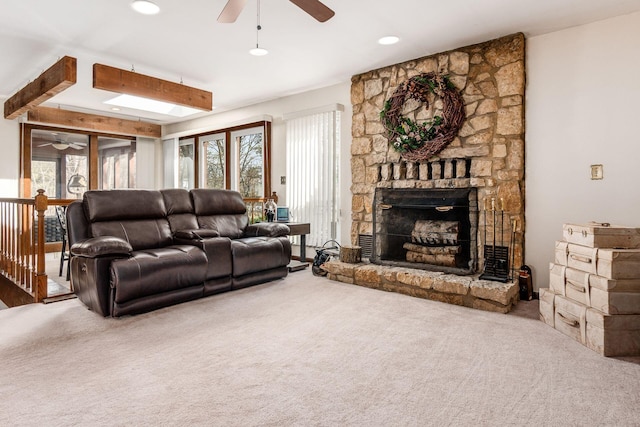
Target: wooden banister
(41, 277)
(22, 247)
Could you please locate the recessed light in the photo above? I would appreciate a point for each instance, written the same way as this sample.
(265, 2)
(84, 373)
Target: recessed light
(115, 109)
(387, 40)
(145, 7)
(258, 51)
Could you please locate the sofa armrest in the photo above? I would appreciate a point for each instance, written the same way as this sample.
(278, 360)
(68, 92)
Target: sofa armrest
(198, 233)
(101, 246)
(267, 229)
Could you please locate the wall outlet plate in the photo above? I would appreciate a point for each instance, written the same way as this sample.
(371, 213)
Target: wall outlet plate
(596, 172)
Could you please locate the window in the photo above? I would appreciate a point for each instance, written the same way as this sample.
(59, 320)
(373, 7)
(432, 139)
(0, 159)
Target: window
(213, 161)
(248, 162)
(313, 147)
(117, 161)
(60, 162)
(186, 162)
(44, 174)
(235, 158)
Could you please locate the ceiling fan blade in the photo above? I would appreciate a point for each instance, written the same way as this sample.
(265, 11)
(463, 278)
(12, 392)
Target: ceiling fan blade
(76, 146)
(231, 11)
(315, 8)
(44, 145)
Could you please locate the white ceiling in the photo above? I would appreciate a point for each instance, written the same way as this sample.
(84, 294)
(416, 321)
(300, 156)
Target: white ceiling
(184, 42)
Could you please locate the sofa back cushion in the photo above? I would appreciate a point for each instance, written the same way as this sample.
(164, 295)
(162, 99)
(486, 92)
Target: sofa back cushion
(136, 216)
(220, 210)
(179, 209)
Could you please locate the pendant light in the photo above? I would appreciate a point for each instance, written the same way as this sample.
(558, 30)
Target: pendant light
(258, 51)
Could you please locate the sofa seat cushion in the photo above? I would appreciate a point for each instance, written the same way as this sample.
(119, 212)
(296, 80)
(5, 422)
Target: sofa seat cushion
(153, 271)
(252, 254)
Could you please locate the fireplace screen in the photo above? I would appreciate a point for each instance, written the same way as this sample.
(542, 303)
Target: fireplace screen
(431, 229)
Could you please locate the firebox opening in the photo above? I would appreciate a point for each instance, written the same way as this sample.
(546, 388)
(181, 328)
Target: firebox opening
(431, 229)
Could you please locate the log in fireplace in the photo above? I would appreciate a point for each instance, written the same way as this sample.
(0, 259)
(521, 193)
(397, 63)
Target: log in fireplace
(430, 229)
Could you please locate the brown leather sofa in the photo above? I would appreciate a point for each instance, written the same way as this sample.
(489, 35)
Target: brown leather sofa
(138, 250)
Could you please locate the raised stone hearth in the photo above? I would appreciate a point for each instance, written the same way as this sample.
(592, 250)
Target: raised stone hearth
(466, 291)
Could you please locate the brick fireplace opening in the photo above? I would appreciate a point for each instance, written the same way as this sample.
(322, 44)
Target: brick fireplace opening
(430, 229)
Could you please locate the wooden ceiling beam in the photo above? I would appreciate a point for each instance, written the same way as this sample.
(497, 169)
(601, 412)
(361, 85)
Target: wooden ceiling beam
(54, 80)
(131, 83)
(73, 119)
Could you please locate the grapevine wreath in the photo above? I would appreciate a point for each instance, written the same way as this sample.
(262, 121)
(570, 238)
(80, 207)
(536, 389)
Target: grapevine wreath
(420, 141)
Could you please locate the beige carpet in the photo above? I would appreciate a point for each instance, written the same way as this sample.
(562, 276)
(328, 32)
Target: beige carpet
(305, 351)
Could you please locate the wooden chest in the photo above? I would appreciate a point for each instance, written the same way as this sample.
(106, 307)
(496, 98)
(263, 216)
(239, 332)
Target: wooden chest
(557, 278)
(608, 263)
(609, 335)
(547, 306)
(571, 318)
(613, 335)
(610, 296)
(602, 235)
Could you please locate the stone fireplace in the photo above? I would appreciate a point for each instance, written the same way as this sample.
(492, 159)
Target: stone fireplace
(486, 159)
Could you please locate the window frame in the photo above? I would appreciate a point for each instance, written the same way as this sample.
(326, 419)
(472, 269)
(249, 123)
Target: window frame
(92, 159)
(205, 139)
(199, 167)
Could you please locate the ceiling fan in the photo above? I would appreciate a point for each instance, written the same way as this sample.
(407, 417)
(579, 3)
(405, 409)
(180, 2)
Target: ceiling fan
(315, 8)
(63, 145)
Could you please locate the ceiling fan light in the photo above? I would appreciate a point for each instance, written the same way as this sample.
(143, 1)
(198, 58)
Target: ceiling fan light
(60, 145)
(388, 40)
(258, 51)
(145, 7)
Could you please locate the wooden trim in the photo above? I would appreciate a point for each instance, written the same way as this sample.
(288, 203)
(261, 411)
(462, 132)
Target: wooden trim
(55, 247)
(73, 119)
(196, 163)
(267, 159)
(54, 80)
(227, 159)
(25, 161)
(39, 288)
(13, 295)
(94, 167)
(123, 81)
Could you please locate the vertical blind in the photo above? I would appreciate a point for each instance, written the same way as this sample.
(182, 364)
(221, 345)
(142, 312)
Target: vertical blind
(313, 142)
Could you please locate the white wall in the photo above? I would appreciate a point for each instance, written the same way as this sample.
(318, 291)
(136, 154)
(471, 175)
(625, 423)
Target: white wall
(582, 99)
(340, 94)
(146, 175)
(10, 157)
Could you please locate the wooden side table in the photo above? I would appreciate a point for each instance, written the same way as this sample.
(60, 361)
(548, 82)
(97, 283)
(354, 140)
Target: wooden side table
(299, 229)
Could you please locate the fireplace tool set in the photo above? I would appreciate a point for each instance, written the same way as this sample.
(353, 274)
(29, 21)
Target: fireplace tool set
(497, 265)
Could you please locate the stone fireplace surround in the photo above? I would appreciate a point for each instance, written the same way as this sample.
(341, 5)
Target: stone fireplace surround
(487, 155)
